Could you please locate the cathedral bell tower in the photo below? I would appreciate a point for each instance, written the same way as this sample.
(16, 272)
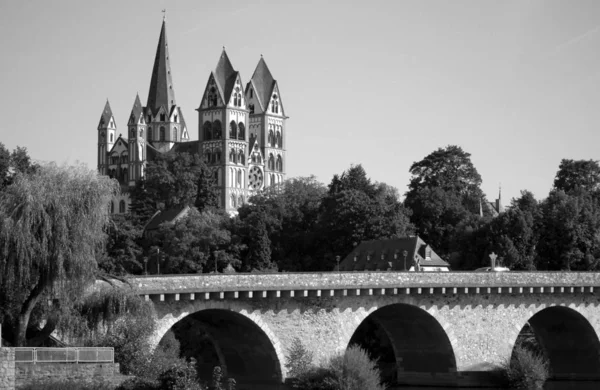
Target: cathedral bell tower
(107, 129)
(222, 123)
(137, 144)
(267, 126)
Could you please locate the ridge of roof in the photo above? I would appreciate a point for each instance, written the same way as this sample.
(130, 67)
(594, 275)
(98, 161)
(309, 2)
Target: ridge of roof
(222, 74)
(161, 91)
(105, 117)
(263, 82)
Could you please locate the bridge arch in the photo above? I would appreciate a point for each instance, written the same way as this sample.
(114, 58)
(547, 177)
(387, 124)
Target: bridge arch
(405, 339)
(566, 337)
(242, 344)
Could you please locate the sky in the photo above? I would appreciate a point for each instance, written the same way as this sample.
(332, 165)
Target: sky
(515, 83)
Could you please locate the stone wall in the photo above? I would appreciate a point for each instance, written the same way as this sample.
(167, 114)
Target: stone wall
(7, 369)
(26, 373)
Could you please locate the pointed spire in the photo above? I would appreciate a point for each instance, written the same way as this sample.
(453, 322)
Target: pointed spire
(225, 75)
(263, 82)
(161, 85)
(105, 117)
(136, 111)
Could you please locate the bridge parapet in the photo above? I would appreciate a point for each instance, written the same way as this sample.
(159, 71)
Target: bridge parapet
(281, 285)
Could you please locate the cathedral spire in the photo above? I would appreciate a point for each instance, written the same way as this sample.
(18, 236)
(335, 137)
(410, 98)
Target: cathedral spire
(136, 111)
(263, 82)
(161, 85)
(106, 116)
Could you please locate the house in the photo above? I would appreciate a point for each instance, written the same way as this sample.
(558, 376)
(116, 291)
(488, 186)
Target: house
(397, 254)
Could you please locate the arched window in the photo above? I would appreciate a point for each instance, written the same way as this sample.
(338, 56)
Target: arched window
(271, 140)
(162, 135)
(271, 162)
(217, 129)
(163, 117)
(102, 137)
(277, 107)
(239, 99)
(124, 177)
(122, 206)
(258, 159)
(273, 106)
(142, 133)
(132, 134)
(149, 133)
(272, 179)
(254, 158)
(241, 131)
(279, 164)
(218, 153)
(212, 97)
(239, 178)
(232, 130)
(207, 157)
(213, 158)
(207, 128)
(112, 207)
(278, 139)
(174, 135)
(235, 100)
(124, 158)
(241, 158)
(231, 156)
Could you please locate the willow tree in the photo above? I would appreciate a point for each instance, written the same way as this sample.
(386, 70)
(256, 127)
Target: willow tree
(51, 225)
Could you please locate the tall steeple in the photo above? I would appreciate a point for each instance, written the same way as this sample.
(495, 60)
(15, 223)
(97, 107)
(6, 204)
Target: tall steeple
(225, 76)
(263, 82)
(161, 85)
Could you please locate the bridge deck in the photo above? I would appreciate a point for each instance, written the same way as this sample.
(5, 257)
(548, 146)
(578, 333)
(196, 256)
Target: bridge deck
(252, 285)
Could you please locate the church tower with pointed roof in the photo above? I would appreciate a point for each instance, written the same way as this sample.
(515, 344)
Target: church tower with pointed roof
(107, 129)
(267, 122)
(222, 123)
(137, 143)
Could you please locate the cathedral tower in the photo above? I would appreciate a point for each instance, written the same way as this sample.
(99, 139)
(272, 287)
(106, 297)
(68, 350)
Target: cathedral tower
(165, 124)
(222, 122)
(137, 143)
(267, 124)
(107, 129)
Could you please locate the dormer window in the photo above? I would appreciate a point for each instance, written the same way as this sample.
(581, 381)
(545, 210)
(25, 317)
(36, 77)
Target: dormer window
(176, 119)
(163, 117)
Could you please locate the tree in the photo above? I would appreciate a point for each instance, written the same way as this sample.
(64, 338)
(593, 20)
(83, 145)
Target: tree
(354, 210)
(4, 165)
(51, 225)
(577, 174)
(258, 256)
(206, 196)
(123, 250)
(17, 162)
(444, 191)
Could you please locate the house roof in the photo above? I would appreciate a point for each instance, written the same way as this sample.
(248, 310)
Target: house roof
(191, 147)
(166, 216)
(105, 117)
(161, 93)
(389, 254)
(263, 83)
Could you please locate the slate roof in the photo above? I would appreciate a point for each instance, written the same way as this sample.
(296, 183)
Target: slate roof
(136, 111)
(191, 147)
(225, 76)
(166, 216)
(161, 85)
(105, 117)
(263, 83)
(378, 254)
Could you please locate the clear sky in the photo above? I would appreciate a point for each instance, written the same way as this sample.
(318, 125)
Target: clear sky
(381, 83)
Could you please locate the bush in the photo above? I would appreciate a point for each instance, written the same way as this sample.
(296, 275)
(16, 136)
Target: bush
(526, 369)
(138, 384)
(63, 384)
(180, 377)
(353, 370)
(299, 359)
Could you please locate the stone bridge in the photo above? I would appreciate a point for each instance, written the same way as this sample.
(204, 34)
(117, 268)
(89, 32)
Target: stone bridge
(451, 328)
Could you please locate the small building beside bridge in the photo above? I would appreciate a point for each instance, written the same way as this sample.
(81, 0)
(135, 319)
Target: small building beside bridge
(397, 254)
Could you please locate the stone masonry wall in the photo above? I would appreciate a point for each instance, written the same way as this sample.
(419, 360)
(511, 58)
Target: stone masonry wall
(26, 373)
(7, 369)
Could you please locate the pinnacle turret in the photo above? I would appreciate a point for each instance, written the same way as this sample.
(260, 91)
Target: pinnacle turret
(136, 111)
(105, 117)
(161, 85)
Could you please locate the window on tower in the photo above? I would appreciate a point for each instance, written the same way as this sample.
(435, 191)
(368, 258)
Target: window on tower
(271, 139)
(241, 131)
(251, 93)
(207, 131)
(251, 107)
(174, 135)
(217, 129)
(232, 130)
(163, 117)
(279, 164)
(162, 135)
(241, 158)
(111, 138)
(149, 133)
(122, 206)
(271, 162)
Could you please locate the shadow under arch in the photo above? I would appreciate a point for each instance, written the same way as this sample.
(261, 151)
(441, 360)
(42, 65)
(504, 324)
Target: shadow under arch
(230, 340)
(406, 340)
(566, 338)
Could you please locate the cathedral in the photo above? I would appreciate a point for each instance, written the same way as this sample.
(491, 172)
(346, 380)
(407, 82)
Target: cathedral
(241, 131)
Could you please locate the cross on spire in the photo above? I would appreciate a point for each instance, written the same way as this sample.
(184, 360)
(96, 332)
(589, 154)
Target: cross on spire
(164, 12)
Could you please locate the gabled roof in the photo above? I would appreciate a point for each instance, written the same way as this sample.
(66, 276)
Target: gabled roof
(225, 76)
(263, 83)
(378, 254)
(161, 85)
(105, 117)
(136, 111)
(166, 216)
(191, 147)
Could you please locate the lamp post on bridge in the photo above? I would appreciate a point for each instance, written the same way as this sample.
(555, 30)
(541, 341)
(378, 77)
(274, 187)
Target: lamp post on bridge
(405, 253)
(158, 261)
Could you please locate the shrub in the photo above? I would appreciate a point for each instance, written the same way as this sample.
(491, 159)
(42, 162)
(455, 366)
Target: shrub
(180, 377)
(299, 359)
(526, 369)
(353, 370)
(138, 384)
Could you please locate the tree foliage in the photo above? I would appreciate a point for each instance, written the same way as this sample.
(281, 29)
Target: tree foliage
(51, 225)
(577, 174)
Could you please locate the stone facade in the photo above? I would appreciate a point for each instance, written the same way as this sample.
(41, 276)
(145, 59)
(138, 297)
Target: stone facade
(7, 369)
(26, 373)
